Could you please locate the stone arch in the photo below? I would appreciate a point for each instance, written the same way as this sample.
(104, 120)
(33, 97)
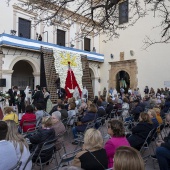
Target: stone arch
(128, 66)
(31, 61)
(93, 70)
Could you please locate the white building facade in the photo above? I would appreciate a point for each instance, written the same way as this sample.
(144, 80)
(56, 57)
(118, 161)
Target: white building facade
(108, 64)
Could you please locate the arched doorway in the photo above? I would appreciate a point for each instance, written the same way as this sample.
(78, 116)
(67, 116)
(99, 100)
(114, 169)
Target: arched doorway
(23, 75)
(122, 80)
(92, 78)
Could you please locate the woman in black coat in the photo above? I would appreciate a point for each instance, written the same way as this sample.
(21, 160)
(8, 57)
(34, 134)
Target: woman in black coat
(140, 131)
(45, 134)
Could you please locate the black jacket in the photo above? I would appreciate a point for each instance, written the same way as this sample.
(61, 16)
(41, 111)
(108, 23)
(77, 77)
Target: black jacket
(97, 160)
(101, 111)
(136, 111)
(64, 114)
(109, 108)
(38, 97)
(42, 136)
(139, 134)
(12, 94)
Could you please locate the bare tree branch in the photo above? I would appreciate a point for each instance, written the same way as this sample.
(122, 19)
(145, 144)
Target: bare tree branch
(100, 16)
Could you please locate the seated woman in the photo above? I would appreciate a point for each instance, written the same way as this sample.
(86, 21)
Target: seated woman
(40, 113)
(140, 131)
(9, 114)
(20, 144)
(44, 134)
(90, 116)
(152, 115)
(83, 106)
(128, 158)
(28, 116)
(71, 113)
(117, 132)
(93, 156)
(158, 117)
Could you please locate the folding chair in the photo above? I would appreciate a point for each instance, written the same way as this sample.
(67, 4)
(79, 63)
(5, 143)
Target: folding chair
(26, 123)
(80, 135)
(17, 166)
(47, 149)
(98, 122)
(119, 113)
(146, 144)
(70, 123)
(61, 144)
(30, 158)
(66, 158)
(112, 114)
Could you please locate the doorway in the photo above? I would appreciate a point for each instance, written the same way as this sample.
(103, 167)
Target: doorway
(23, 75)
(122, 80)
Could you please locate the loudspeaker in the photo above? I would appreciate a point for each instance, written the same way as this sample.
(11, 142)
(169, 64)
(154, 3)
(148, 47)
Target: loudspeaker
(2, 82)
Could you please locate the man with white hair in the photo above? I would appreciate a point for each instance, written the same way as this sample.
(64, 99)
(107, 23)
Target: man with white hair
(58, 127)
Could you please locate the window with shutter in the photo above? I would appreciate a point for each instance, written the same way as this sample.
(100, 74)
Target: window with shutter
(61, 37)
(87, 44)
(123, 12)
(24, 28)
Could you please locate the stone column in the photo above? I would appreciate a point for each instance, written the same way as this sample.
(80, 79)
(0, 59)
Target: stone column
(97, 86)
(36, 78)
(7, 74)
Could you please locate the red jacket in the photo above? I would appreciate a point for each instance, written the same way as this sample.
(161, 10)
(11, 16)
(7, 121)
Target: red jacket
(28, 116)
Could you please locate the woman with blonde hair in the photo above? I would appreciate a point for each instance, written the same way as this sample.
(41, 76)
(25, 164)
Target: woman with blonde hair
(20, 144)
(128, 158)
(9, 114)
(92, 156)
(158, 117)
(152, 115)
(140, 131)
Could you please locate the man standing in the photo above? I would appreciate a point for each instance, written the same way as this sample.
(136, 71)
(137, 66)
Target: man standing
(20, 100)
(38, 96)
(12, 95)
(8, 157)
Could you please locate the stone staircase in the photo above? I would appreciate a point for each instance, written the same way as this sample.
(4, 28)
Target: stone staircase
(51, 75)
(86, 79)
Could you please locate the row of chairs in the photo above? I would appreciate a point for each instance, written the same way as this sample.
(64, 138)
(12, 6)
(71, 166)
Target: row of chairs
(150, 141)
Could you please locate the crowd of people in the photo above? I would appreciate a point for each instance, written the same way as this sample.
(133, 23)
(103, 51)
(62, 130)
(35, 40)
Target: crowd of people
(121, 151)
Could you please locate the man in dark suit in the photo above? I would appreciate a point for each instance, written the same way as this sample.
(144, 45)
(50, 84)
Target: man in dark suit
(38, 96)
(20, 101)
(12, 94)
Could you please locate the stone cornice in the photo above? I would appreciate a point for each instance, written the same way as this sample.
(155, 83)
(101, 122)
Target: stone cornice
(6, 71)
(122, 62)
(15, 7)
